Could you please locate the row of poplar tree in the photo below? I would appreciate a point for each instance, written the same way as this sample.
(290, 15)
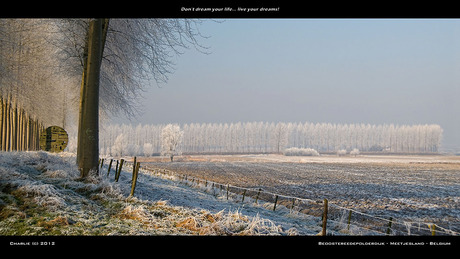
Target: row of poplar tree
(31, 95)
(270, 137)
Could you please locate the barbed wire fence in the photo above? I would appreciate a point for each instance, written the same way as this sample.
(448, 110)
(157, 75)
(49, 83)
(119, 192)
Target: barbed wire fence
(328, 215)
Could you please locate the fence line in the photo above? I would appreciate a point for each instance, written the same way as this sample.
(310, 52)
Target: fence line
(390, 222)
(405, 224)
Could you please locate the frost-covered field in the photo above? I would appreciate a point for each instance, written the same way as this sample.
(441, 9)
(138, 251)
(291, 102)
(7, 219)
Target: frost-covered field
(410, 189)
(40, 194)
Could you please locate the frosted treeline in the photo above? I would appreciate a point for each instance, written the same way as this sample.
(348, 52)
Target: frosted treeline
(265, 137)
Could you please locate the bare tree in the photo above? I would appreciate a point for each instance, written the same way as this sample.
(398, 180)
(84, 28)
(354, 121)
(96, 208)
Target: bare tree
(132, 52)
(171, 138)
(88, 127)
(280, 136)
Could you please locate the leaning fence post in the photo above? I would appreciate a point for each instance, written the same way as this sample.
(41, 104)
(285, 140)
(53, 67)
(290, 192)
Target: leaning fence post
(323, 232)
(116, 170)
(134, 168)
(276, 200)
(135, 173)
(349, 219)
(119, 170)
(110, 166)
(389, 226)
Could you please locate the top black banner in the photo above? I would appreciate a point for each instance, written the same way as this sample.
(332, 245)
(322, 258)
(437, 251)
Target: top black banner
(228, 9)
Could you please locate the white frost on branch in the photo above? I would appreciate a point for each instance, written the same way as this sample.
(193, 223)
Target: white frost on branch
(119, 146)
(148, 149)
(269, 137)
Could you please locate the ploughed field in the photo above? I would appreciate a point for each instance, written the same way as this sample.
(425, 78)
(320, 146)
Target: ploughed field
(408, 188)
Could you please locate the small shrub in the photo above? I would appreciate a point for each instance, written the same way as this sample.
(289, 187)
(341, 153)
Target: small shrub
(354, 152)
(293, 151)
(341, 152)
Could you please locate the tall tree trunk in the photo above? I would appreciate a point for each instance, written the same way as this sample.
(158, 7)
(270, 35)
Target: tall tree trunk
(27, 147)
(82, 112)
(34, 136)
(14, 124)
(20, 131)
(2, 122)
(24, 130)
(82, 102)
(8, 124)
(88, 152)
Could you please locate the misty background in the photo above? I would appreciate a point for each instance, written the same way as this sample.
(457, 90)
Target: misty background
(375, 71)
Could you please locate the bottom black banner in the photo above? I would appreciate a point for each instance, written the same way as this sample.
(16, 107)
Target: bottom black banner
(205, 244)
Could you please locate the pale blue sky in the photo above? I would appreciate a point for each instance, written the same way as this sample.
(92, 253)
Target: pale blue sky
(376, 71)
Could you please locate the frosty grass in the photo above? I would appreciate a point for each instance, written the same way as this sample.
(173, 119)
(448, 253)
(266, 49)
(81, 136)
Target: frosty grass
(41, 194)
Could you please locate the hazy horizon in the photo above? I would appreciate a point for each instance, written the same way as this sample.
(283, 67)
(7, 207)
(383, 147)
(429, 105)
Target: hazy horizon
(376, 71)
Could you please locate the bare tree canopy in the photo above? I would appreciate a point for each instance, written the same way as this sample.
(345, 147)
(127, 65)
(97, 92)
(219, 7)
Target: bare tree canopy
(47, 56)
(136, 52)
(100, 64)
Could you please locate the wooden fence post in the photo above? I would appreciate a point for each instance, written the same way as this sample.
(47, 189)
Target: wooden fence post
(135, 173)
(244, 193)
(119, 170)
(110, 166)
(389, 226)
(349, 219)
(116, 170)
(227, 190)
(323, 232)
(433, 229)
(134, 168)
(276, 200)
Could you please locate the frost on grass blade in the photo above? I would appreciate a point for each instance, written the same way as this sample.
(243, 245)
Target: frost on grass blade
(230, 223)
(44, 195)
